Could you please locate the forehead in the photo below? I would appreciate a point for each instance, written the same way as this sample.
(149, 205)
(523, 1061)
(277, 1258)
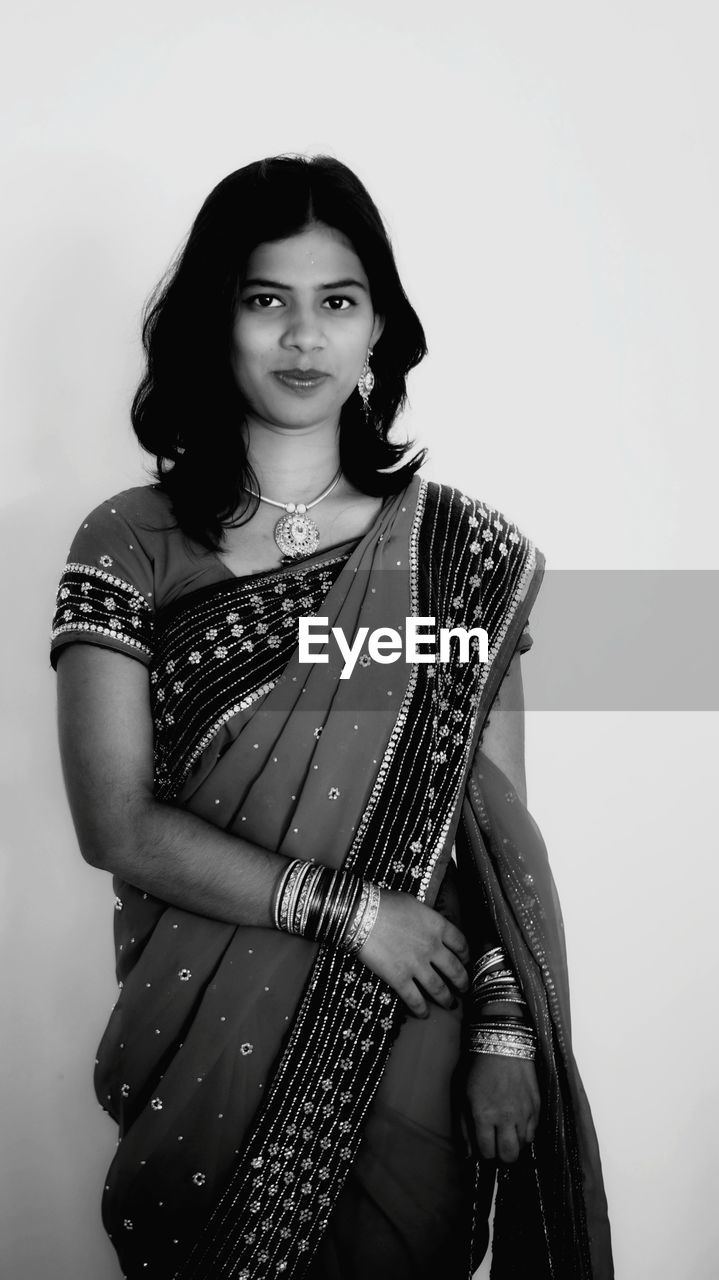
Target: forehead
(317, 252)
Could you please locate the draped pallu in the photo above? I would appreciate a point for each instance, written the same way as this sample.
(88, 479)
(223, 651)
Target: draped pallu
(379, 774)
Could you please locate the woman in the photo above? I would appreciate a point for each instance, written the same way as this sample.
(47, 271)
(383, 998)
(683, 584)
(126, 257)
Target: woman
(314, 1074)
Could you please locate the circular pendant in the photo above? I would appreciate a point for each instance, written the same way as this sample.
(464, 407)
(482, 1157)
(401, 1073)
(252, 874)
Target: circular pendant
(296, 535)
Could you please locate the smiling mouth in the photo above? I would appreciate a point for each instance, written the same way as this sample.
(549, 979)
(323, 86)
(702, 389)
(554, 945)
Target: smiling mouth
(300, 381)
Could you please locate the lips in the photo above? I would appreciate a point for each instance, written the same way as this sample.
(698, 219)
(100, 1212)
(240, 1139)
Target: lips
(300, 379)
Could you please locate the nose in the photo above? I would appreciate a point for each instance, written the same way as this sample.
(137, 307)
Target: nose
(304, 330)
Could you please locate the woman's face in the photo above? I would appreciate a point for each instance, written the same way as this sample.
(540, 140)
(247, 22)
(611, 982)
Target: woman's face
(305, 309)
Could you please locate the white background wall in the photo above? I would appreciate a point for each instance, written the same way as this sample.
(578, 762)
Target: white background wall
(549, 174)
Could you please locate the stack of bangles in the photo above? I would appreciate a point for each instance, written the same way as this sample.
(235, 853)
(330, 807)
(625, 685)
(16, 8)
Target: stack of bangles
(334, 907)
(494, 980)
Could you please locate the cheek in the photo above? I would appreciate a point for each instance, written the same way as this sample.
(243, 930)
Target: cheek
(349, 342)
(252, 345)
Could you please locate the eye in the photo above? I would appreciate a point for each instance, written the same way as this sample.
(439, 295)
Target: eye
(349, 301)
(262, 301)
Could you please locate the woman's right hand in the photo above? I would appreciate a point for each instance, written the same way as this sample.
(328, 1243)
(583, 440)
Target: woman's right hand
(417, 951)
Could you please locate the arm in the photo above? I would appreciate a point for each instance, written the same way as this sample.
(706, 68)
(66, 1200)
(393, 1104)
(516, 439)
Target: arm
(503, 739)
(503, 743)
(106, 744)
(503, 1093)
(105, 731)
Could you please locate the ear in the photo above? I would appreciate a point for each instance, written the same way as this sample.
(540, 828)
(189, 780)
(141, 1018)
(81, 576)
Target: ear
(377, 330)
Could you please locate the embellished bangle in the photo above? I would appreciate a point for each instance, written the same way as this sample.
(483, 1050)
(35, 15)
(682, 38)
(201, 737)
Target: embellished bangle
(492, 975)
(493, 988)
(368, 919)
(327, 905)
(359, 915)
(502, 977)
(503, 997)
(487, 961)
(284, 894)
(278, 894)
(493, 980)
(509, 995)
(503, 1037)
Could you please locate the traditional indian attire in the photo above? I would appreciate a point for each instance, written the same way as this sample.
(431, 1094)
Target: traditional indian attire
(279, 1112)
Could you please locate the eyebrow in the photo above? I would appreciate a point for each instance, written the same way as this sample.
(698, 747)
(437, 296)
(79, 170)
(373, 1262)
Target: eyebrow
(333, 284)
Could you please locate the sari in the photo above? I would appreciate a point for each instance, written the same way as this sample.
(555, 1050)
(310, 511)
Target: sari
(279, 1112)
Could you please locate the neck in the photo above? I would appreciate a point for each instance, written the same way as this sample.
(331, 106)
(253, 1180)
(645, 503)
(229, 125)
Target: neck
(293, 464)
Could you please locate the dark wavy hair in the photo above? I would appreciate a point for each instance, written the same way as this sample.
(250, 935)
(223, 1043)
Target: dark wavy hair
(187, 408)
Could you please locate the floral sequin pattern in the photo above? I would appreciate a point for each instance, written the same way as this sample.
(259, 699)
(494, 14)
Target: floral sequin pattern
(302, 1143)
(220, 652)
(317, 1135)
(93, 601)
(491, 539)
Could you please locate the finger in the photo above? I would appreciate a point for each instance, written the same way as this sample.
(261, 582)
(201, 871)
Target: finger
(453, 938)
(507, 1143)
(452, 968)
(434, 986)
(466, 1134)
(486, 1140)
(532, 1124)
(522, 1130)
(414, 1000)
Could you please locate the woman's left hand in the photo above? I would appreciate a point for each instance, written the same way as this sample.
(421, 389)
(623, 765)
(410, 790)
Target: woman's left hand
(504, 1103)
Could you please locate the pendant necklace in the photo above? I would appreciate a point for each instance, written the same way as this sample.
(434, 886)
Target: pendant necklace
(296, 533)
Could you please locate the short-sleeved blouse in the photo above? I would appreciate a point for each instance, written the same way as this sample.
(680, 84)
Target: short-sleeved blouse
(129, 559)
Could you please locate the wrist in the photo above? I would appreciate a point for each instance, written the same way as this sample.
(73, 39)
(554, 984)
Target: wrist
(329, 906)
(495, 989)
(499, 1009)
(502, 1038)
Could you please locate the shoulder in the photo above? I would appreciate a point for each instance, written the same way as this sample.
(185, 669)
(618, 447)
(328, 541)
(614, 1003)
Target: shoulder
(106, 592)
(120, 535)
(144, 507)
(127, 556)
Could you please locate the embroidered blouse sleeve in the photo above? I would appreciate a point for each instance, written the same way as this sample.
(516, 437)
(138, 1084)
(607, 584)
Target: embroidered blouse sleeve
(105, 595)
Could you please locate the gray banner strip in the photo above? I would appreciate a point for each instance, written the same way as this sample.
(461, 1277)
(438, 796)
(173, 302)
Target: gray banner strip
(624, 640)
(608, 640)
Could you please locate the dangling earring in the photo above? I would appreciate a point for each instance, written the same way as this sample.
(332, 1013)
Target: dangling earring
(366, 383)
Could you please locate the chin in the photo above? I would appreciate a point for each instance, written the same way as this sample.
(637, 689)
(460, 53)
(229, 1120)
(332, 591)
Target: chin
(304, 412)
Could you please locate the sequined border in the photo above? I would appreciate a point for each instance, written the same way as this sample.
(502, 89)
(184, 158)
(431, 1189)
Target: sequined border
(231, 1238)
(72, 600)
